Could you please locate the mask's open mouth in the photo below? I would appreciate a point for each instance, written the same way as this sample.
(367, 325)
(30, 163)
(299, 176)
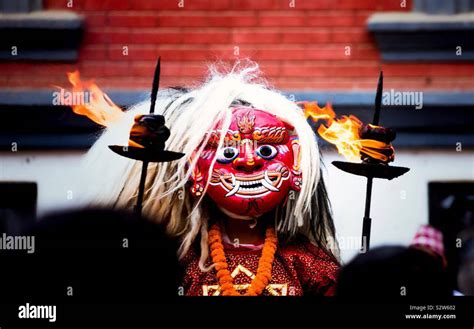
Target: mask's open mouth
(251, 186)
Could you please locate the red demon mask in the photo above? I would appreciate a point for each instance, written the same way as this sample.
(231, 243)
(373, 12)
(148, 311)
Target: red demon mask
(255, 168)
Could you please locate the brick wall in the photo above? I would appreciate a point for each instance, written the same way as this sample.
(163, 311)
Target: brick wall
(300, 47)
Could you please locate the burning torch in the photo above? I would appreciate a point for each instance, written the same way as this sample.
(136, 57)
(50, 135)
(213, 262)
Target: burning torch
(147, 141)
(148, 134)
(369, 143)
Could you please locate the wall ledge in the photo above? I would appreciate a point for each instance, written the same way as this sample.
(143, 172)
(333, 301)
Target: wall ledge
(417, 37)
(40, 36)
(31, 120)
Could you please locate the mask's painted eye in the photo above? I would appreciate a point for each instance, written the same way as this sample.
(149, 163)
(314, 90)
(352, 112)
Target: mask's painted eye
(267, 152)
(227, 154)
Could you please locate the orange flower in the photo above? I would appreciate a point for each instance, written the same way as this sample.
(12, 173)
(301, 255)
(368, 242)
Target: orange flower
(264, 271)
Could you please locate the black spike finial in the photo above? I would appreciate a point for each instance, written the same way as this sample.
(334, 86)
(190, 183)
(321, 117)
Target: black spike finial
(378, 100)
(154, 95)
(156, 83)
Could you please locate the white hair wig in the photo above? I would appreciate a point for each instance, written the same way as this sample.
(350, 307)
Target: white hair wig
(190, 114)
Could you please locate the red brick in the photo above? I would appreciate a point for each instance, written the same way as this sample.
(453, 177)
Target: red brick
(118, 4)
(256, 37)
(326, 70)
(429, 70)
(156, 5)
(235, 20)
(92, 69)
(450, 84)
(112, 69)
(296, 18)
(410, 83)
(106, 5)
(135, 20)
(258, 5)
(343, 18)
(92, 53)
(178, 37)
(404, 70)
(305, 37)
(351, 36)
(456, 70)
(314, 84)
(157, 37)
(176, 4)
(224, 19)
(95, 37)
(143, 68)
(116, 53)
(37, 82)
(54, 69)
(270, 70)
(138, 53)
(358, 4)
(353, 71)
(93, 21)
(122, 37)
(19, 69)
(289, 5)
(318, 5)
(298, 70)
(394, 5)
(360, 19)
(55, 4)
(281, 53)
(365, 53)
(143, 83)
(208, 4)
(184, 20)
(120, 83)
(94, 5)
(172, 69)
(14, 68)
(213, 37)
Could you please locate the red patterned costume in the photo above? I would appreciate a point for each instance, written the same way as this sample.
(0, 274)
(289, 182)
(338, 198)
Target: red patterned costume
(298, 269)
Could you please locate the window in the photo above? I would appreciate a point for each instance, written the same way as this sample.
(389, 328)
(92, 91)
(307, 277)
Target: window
(29, 33)
(20, 6)
(446, 7)
(435, 31)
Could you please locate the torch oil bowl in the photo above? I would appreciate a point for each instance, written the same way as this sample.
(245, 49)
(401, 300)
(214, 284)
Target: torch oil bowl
(373, 170)
(144, 154)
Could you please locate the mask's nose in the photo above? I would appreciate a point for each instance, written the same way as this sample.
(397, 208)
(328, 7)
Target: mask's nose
(247, 160)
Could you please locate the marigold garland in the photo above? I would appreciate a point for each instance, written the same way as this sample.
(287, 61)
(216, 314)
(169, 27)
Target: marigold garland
(264, 270)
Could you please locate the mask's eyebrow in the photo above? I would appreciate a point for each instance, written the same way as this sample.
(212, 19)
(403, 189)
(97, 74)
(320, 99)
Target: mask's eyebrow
(271, 135)
(263, 135)
(215, 136)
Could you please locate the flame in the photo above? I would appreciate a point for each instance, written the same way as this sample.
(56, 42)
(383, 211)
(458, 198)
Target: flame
(344, 133)
(99, 108)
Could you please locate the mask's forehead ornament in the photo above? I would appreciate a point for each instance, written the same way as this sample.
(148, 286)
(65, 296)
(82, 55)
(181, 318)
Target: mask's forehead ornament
(252, 124)
(246, 122)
